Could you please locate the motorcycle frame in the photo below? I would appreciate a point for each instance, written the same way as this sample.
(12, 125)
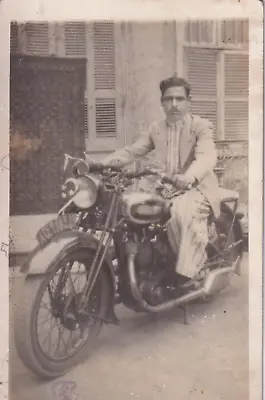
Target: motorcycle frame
(114, 228)
(111, 225)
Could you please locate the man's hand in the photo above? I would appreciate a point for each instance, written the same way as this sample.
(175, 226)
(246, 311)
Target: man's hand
(183, 182)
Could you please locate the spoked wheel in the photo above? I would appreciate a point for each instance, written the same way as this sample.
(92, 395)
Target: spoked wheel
(51, 334)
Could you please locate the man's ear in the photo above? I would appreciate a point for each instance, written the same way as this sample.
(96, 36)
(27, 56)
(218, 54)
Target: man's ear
(189, 98)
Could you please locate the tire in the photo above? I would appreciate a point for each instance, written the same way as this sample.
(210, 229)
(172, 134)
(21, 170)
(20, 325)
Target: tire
(26, 338)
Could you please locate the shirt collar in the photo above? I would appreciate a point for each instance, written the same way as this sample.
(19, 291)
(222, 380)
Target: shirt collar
(176, 123)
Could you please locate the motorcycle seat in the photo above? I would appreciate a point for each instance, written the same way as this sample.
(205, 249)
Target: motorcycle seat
(228, 195)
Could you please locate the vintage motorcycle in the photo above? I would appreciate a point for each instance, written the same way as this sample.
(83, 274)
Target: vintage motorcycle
(108, 246)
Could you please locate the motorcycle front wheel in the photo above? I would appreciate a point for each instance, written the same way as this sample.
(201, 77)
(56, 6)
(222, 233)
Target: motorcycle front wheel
(50, 336)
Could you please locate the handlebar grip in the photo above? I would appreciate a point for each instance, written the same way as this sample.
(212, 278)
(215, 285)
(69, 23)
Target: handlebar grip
(173, 182)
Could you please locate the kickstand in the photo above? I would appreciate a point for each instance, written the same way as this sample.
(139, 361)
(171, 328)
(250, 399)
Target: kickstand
(185, 311)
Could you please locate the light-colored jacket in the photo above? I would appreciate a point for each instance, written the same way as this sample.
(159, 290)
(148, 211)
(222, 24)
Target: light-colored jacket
(197, 153)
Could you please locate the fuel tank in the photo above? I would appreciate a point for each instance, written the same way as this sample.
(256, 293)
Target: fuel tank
(144, 208)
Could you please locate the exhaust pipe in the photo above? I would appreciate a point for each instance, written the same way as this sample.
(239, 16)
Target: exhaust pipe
(212, 284)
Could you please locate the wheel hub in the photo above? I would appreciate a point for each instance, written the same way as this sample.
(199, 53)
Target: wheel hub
(65, 308)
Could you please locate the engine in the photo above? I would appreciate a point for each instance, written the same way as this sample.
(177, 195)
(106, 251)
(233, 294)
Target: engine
(155, 267)
(153, 252)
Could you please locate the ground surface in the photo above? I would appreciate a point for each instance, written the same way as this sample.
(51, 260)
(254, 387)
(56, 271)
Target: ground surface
(157, 357)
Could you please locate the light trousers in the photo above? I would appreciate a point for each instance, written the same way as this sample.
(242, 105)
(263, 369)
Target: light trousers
(188, 232)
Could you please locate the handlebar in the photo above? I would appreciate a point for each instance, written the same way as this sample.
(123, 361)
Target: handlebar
(100, 168)
(112, 170)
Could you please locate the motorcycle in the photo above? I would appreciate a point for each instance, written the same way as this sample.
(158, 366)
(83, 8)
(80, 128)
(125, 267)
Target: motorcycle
(109, 246)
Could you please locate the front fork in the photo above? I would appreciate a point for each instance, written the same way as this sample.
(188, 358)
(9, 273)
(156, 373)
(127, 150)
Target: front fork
(100, 255)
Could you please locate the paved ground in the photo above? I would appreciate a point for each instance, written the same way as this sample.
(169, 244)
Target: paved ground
(158, 357)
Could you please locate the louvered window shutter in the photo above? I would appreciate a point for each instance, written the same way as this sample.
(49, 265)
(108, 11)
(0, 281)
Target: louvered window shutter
(14, 37)
(75, 39)
(96, 41)
(104, 79)
(201, 71)
(75, 45)
(37, 39)
(236, 96)
(86, 128)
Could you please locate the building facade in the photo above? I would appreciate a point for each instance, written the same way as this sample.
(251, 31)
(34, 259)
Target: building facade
(116, 69)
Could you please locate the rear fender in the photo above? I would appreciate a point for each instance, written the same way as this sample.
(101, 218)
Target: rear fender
(238, 227)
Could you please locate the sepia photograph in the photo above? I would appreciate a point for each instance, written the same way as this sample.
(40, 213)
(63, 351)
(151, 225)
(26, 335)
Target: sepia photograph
(129, 217)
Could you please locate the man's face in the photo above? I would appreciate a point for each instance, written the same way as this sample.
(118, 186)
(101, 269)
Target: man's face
(175, 103)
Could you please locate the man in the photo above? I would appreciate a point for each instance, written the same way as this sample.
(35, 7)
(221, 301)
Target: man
(183, 144)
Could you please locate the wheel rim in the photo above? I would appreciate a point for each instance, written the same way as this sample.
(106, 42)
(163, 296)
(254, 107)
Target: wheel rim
(61, 331)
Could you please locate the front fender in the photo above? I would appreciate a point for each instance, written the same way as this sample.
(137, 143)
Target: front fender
(44, 258)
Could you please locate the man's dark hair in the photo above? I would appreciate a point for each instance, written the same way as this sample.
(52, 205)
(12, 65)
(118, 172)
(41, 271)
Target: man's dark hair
(174, 81)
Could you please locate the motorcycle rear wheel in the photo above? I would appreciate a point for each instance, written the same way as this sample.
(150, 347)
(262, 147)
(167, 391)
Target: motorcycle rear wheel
(26, 330)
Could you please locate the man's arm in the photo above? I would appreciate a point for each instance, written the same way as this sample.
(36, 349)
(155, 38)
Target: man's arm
(129, 154)
(205, 152)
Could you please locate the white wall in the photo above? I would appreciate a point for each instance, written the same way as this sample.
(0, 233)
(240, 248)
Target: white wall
(152, 57)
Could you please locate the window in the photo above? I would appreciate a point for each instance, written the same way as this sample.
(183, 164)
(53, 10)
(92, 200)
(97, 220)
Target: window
(97, 42)
(218, 75)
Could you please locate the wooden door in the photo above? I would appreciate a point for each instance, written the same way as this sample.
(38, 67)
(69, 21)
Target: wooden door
(46, 120)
